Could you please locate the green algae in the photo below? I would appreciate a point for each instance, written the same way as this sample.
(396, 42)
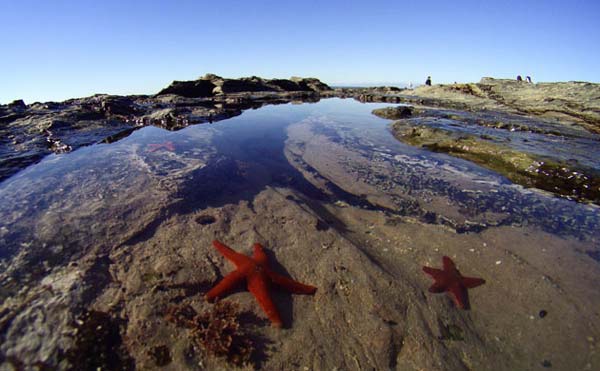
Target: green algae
(529, 170)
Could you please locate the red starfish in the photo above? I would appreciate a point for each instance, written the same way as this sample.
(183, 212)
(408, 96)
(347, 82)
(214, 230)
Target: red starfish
(259, 276)
(153, 147)
(452, 281)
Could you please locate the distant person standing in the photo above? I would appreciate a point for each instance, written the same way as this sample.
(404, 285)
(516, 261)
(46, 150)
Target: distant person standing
(529, 79)
(519, 78)
(428, 81)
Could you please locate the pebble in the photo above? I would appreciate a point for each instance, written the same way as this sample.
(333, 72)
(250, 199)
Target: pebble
(484, 244)
(472, 250)
(543, 313)
(498, 262)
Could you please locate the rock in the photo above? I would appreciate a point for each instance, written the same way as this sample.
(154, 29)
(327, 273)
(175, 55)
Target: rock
(571, 101)
(528, 169)
(120, 106)
(17, 104)
(394, 113)
(190, 89)
(247, 84)
(211, 85)
(310, 82)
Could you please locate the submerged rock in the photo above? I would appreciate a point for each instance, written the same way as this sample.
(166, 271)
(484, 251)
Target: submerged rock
(394, 113)
(569, 180)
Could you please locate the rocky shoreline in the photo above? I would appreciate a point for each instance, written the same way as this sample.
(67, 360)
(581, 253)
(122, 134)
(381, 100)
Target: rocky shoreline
(31, 132)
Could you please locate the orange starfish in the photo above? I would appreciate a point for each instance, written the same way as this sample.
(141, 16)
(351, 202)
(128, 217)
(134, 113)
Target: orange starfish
(452, 281)
(259, 276)
(153, 147)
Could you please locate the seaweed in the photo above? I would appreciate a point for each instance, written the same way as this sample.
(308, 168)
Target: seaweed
(219, 332)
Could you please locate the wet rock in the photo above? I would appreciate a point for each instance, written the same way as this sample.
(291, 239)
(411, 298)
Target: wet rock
(120, 106)
(394, 113)
(572, 181)
(382, 98)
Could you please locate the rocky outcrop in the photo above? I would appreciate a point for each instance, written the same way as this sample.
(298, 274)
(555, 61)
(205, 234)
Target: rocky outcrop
(211, 85)
(563, 101)
(190, 89)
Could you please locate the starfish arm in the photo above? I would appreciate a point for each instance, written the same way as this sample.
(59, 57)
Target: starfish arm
(259, 287)
(260, 256)
(448, 264)
(237, 258)
(470, 282)
(225, 286)
(290, 285)
(433, 272)
(437, 288)
(460, 296)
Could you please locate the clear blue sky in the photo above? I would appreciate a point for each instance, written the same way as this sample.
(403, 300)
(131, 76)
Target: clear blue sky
(54, 50)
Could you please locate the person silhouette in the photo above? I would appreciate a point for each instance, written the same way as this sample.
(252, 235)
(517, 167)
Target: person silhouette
(528, 79)
(519, 78)
(428, 81)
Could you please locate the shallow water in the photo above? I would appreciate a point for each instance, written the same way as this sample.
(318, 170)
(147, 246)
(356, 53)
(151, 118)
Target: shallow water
(65, 197)
(334, 152)
(567, 144)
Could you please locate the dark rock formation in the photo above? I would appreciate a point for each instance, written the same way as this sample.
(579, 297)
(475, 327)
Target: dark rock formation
(190, 89)
(17, 104)
(211, 85)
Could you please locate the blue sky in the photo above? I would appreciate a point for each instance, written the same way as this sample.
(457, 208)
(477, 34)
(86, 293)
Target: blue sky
(54, 50)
